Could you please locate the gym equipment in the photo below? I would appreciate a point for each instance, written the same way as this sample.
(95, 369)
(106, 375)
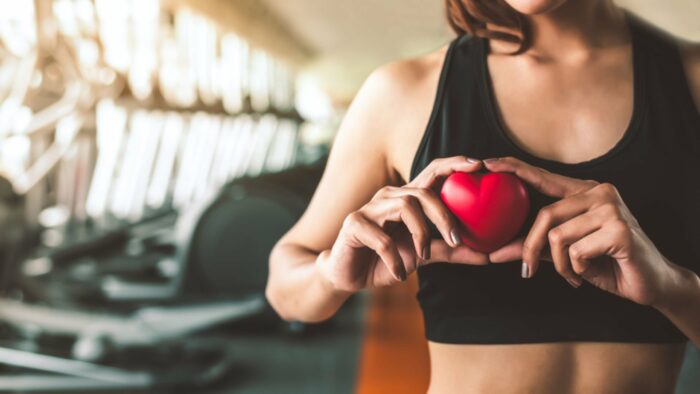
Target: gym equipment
(242, 151)
(282, 153)
(123, 196)
(111, 128)
(215, 256)
(231, 65)
(491, 206)
(184, 366)
(165, 163)
(127, 200)
(239, 228)
(148, 326)
(264, 133)
(12, 237)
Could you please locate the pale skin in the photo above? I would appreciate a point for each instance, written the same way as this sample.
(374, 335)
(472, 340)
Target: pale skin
(366, 225)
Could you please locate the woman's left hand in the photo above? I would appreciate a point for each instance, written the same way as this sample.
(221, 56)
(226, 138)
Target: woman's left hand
(592, 236)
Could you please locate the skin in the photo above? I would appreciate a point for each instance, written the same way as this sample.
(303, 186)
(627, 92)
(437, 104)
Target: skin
(365, 227)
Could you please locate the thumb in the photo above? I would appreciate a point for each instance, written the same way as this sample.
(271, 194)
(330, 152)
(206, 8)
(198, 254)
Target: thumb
(514, 251)
(442, 252)
(510, 252)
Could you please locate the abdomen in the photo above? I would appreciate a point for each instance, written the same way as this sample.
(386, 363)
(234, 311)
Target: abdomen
(555, 368)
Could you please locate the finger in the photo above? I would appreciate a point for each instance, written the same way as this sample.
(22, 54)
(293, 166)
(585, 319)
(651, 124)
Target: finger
(440, 168)
(441, 252)
(588, 248)
(613, 237)
(510, 252)
(547, 218)
(513, 251)
(435, 210)
(566, 234)
(403, 209)
(371, 235)
(546, 182)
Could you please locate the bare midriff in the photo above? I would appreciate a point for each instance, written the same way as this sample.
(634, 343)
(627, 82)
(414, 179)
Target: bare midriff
(557, 368)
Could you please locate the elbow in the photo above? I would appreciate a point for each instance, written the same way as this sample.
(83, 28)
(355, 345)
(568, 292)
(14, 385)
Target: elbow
(287, 313)
(287, 310)
(277, 297)
(291, 300)
(273, 296)
(275, 301)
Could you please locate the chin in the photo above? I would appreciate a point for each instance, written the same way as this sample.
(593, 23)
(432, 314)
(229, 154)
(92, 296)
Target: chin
(535, 7)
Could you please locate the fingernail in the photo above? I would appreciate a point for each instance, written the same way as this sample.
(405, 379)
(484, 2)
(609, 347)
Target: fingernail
(454, 234)
(426, 252)
(491, 160)
(473, 160)
(525, 270)
(573, 283)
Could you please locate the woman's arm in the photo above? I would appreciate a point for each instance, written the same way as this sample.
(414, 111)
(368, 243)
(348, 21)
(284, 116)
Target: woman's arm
(360, 229)
(356, 169)
(681, 304)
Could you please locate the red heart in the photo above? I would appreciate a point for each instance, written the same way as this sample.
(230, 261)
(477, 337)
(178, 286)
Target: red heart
(492, 207)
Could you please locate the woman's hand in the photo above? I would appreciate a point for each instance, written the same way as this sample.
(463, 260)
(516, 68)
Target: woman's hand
(592, 236)
(388, 238)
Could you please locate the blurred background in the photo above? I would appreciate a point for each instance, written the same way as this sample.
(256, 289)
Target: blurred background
(151, 154)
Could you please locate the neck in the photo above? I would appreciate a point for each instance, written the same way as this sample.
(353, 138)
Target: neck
(576, 27)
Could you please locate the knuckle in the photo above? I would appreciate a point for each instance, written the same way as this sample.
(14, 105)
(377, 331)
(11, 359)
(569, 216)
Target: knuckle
(555, 236)
(383, 191)
(590, 184)
(354, 222)
(405, 202)
(546, 214)
(607, 190)
(352, 219)
(384, 244)
(575, 252)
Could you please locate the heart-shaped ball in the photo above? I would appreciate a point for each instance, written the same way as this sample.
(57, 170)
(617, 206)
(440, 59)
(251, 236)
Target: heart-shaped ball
(492, 207)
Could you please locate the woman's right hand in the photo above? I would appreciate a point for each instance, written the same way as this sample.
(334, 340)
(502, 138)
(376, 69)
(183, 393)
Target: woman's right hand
(388, 238)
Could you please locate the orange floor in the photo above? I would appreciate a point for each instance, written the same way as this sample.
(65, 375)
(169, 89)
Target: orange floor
(394, 353)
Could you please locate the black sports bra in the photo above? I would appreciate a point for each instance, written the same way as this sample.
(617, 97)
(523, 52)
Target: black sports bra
(655, 166)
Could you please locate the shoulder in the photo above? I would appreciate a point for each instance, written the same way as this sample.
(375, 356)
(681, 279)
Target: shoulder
(389, 99)
(403, 81)
(690, 53)
(396, 96)
(406, 91)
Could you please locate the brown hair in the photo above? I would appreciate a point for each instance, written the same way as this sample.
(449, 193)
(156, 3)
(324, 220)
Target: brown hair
(471, 16)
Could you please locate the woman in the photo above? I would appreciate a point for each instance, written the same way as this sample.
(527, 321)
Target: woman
(597, 112)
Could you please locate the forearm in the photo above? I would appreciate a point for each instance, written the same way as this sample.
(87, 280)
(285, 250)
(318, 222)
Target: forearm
(297, 290)
(682, 304)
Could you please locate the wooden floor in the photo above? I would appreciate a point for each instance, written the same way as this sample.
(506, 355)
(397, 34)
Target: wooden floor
(394, 356)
